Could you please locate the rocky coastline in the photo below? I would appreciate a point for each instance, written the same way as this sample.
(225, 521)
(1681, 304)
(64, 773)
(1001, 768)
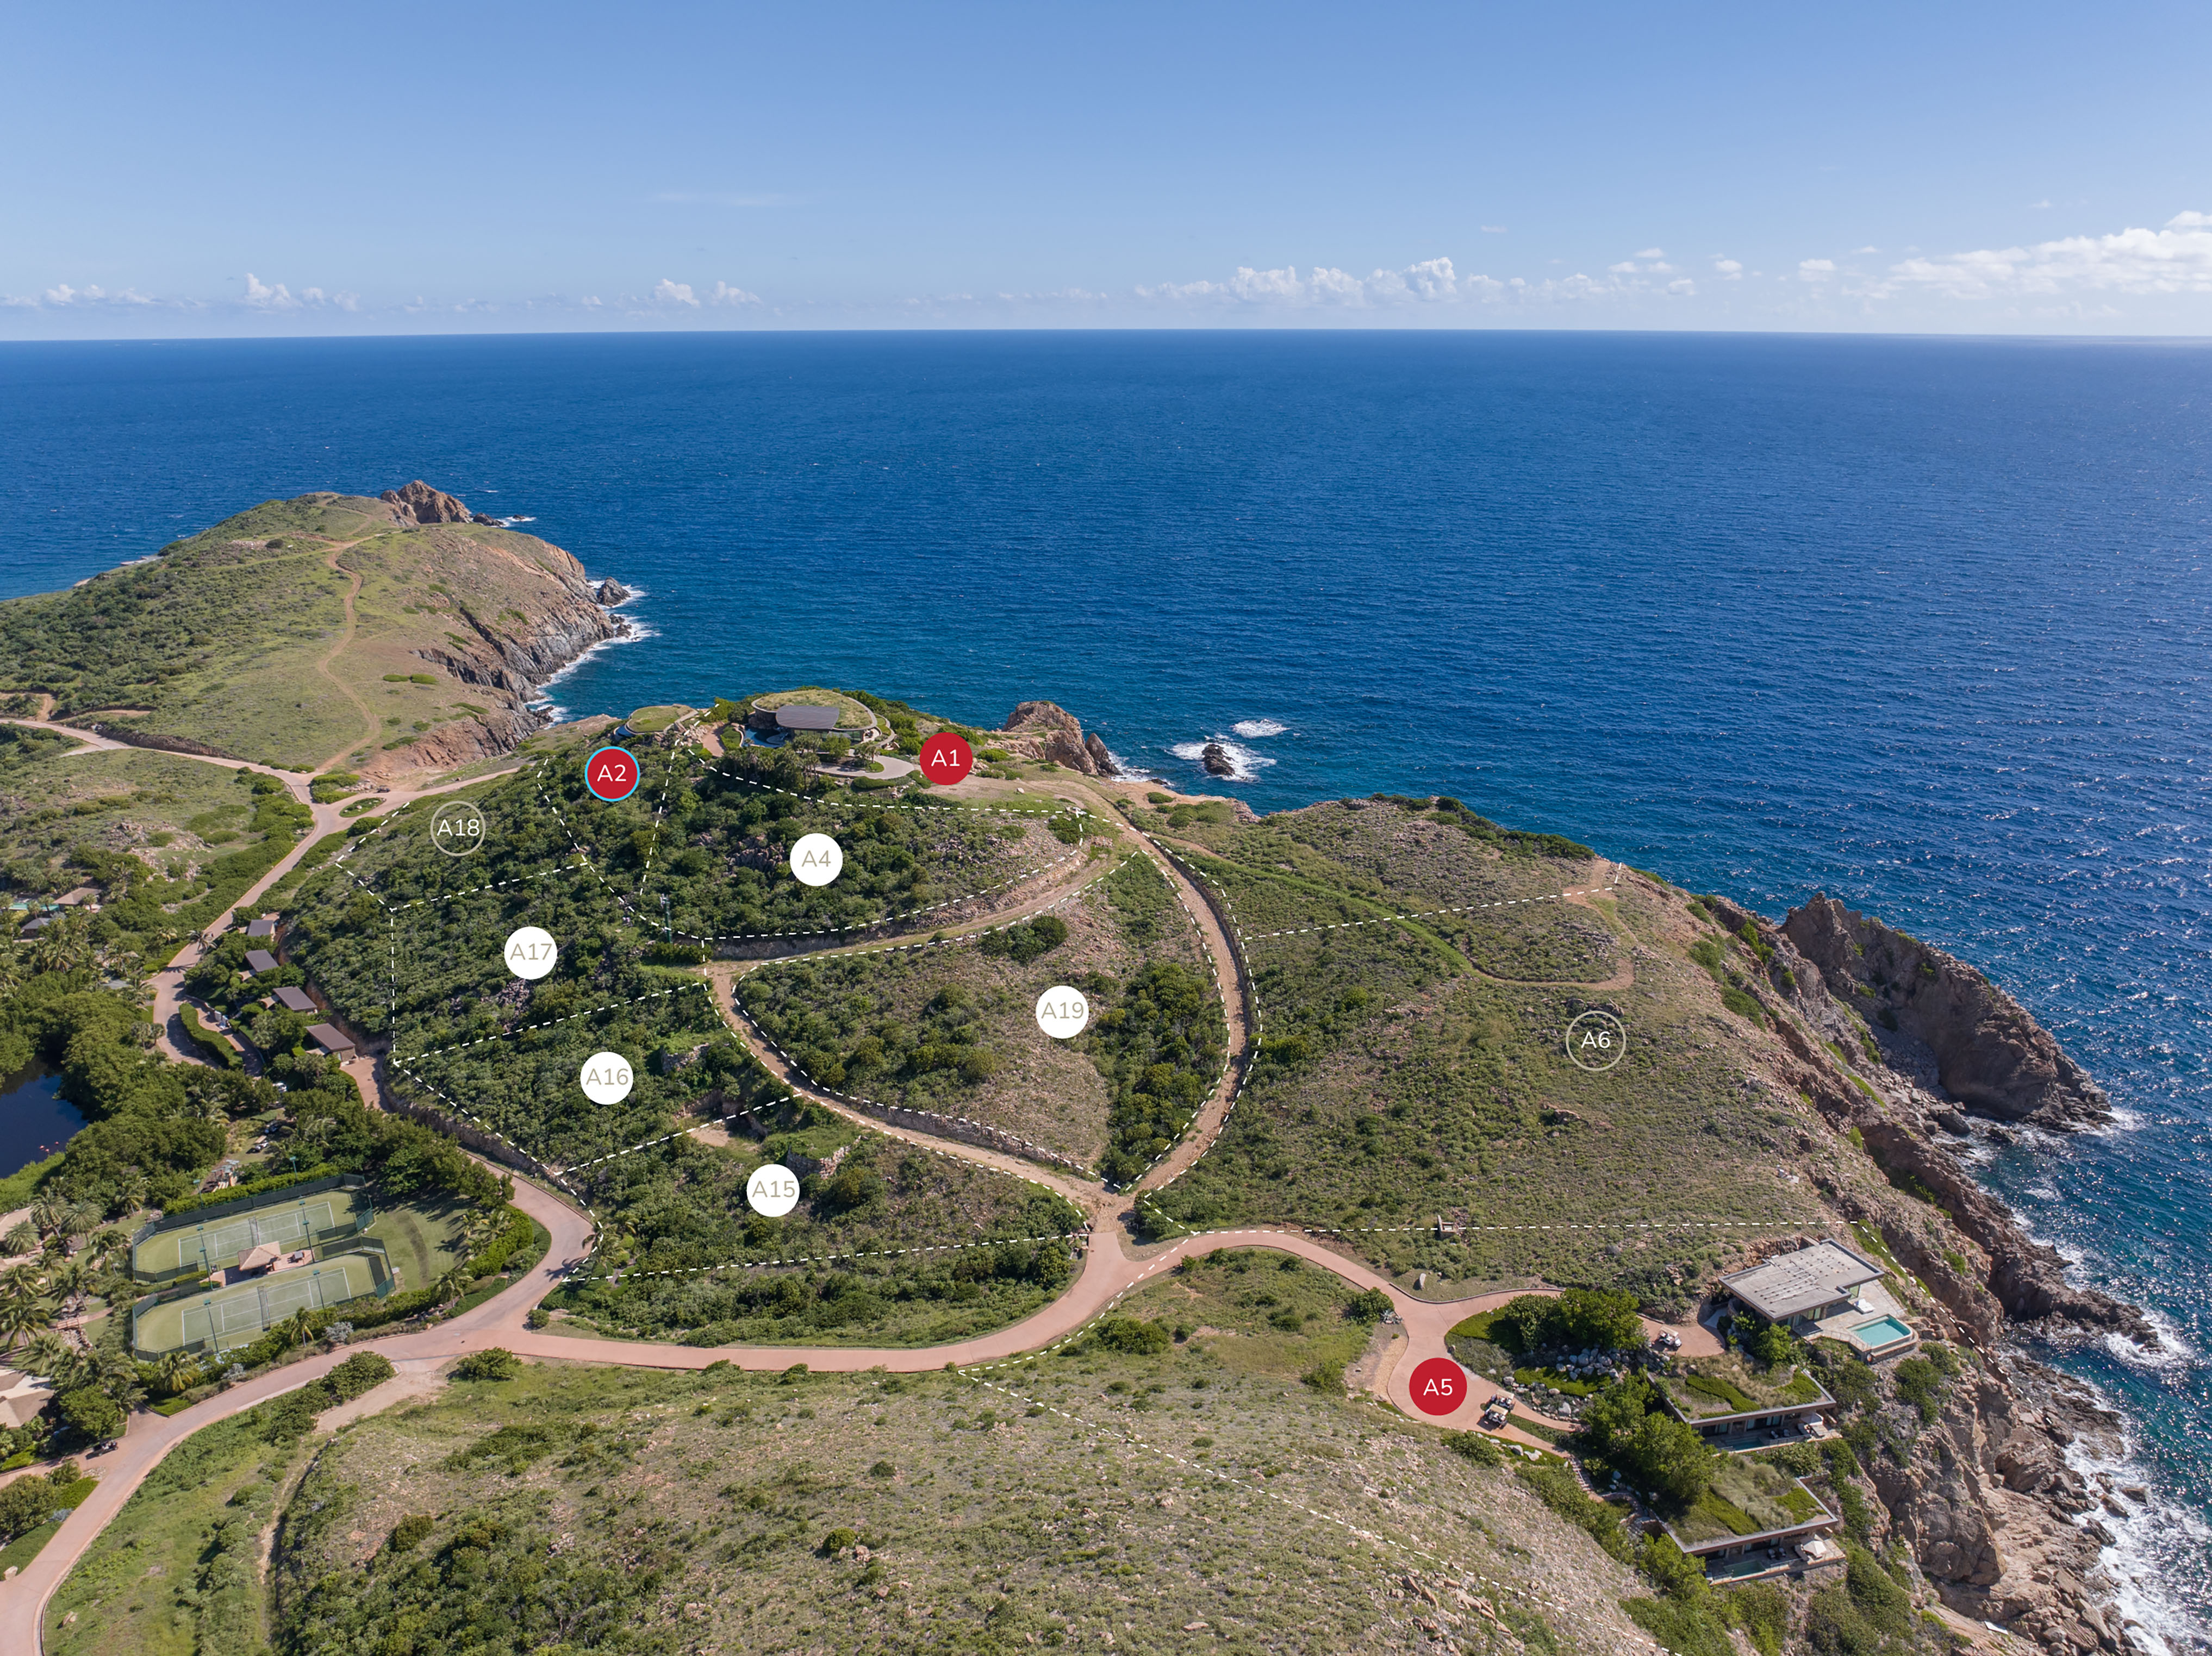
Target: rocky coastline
(510, 661)
(1907, 1052)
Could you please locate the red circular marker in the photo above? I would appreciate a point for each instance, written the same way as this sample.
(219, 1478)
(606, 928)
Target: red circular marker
(610, 774)
(945, 759)
(1438, 1386)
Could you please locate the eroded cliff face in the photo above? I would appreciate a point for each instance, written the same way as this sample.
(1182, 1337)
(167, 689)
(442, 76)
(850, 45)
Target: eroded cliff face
(526, 613)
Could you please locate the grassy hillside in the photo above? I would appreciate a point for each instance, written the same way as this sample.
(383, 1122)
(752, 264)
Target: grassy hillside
(1413, 1071)
(171, 843)
(1164, 1502)
(238, 639)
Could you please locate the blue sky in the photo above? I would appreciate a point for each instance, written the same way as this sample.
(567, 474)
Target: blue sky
(285, 169)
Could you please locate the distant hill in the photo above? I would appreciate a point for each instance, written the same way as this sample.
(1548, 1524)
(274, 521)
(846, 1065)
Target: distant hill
(333, 631)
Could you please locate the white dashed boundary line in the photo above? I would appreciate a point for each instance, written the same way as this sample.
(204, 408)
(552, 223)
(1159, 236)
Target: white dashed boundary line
(590, 1012)
(1062, 807)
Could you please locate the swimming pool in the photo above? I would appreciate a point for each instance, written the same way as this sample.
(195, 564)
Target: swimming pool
(1881, 1331)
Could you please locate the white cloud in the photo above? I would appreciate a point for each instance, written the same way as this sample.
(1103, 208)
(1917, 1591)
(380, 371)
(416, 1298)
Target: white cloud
(1730, 269)
(1815, 270)
(725, 294)
(2039, 206)
(2175, 259)
(1627, 267)
(261, 297)
(1653, 253)
(1866, 250)
(666, 292)
(1493, 229)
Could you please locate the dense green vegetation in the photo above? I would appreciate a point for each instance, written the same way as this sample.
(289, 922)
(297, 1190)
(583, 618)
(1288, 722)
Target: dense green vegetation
(889, 1245)
(952, 1029)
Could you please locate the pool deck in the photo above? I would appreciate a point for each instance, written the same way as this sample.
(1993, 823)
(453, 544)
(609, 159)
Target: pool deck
(1879, 1304)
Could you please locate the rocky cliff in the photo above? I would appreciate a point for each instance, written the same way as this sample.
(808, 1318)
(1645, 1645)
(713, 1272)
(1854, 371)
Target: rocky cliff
(1945, 1018)
(1045, 730)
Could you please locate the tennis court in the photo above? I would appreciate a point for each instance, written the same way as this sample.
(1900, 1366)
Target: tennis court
(227, 1317)
(301, 1222)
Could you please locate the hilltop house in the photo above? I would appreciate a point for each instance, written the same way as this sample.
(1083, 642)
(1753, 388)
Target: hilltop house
(792, 719)
(258, 960)
(295, 1000)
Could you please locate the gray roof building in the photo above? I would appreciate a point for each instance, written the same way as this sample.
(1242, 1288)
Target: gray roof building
(261, 927)
(331, 1040)
(1813, 1282)
(293, 1000)
(798, 718)
(260, 959)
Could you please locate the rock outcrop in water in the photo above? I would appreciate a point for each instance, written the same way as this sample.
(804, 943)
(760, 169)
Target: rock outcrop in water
(1216, 762)
(1982, 1048)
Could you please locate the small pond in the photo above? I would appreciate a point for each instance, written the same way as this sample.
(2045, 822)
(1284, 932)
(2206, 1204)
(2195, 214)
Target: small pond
(35, 1120)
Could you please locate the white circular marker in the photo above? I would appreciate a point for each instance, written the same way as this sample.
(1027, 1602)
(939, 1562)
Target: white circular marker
(456, 828)
(1597, 1041)
(530, 952)
(773, 1190)
(816, 859)
(606, 1077)
(1061, 1012)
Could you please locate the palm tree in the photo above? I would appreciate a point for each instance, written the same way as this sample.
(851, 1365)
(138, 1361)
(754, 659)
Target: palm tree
(65, 944)
(46, 1214)
(72, 1280)
(453, 1285)
(19, 1242)
(130, 1194)
(11, 973)
(20, 1318)
(50, 1354)
(117, 1376)
(79, 1219)
(299, 1327)
(179, 1373)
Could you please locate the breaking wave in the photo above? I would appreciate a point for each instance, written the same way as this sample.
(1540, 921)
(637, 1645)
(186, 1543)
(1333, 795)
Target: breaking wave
(1243, 764)
(1253, 729)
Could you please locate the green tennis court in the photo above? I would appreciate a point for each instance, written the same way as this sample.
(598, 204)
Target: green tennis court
(294, 1223)
(227, 1317)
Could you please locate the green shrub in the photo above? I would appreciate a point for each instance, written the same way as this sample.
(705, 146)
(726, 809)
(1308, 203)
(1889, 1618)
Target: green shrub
(1136, 1338)
(1369, 1307)
(1475, 1447)
(408, 1531)
(492, 1364)
(1556, 1487)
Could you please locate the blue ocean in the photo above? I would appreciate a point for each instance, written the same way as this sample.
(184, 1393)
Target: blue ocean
(1924, 624)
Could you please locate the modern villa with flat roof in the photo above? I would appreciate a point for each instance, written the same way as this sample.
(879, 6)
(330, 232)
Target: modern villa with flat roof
(793, 717)
(258, 960)
(1831, 1289)
(293, 1000)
